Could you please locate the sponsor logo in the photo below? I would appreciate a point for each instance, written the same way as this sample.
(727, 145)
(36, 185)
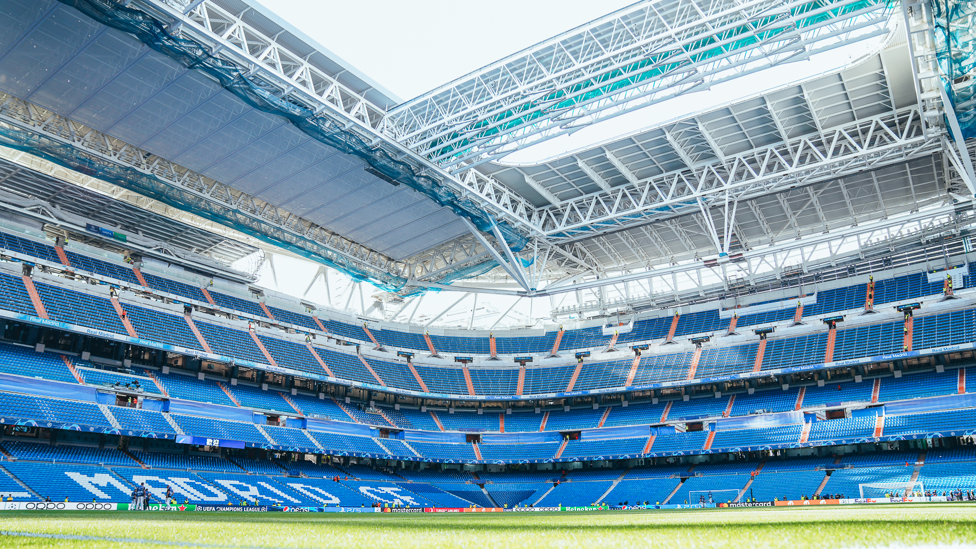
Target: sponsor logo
(62, 506)
(233, 508)
(393, 510)
(749, 504)
(534, 509)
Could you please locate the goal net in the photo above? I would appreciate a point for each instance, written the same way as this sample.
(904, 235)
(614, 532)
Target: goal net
(717, 496)
(890, 489)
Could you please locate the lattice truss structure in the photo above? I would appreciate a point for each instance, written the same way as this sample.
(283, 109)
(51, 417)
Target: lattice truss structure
(849, 158)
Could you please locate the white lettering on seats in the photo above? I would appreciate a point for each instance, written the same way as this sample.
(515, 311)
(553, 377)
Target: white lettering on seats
(184, 484)
(250, 492)
(103, 480)
(398, 498)
(314, 493)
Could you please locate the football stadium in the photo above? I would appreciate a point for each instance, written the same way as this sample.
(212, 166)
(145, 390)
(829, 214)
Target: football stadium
(648, 279)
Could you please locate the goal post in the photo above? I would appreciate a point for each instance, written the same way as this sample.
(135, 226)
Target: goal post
(890, 489)
(718, 496)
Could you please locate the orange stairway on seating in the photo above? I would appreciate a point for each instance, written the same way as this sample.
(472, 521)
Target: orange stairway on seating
(430, 345)
(673, 329)
(437, 420)
(140, 278)
(501, 422)
(559, 338)
(876, 390)
(467, 380)
(798, 315)
(805, 433)
(291, 403)
(371, 370)
(210, 299)
(869, 296)
(123, 317)
(230, 395)
(728, 407)
(694, 362)
(196, 332)
(521, 381)
(74, 371)
(649, 444)
(416, 376)
(545, 418)
(613, 340)
(267, 311)
(879, 426)
(606, 412)
(909, 330)
(62, 256)
(799, 398)
(759, 355)
(732, 323)
(831, 340)
(369, 334)
(477, 451)
(559, 452)
(261, 347)
(667, 410)
(633, 371)
(315, 354)
(319, 323)
(572, 380)
(491, 346)
(708, 441)
(961, 383)
(35, 297)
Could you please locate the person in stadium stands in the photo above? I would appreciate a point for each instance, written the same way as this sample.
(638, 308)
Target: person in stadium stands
(135, 499)
(169, 495)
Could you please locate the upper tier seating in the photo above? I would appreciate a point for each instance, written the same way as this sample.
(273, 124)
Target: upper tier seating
(145, 421)
(191, 388)
(79, 308)
(254, 397)
(174, 287)
(162, 327)
(230, 342)
(29, 247)
(219, 428)
(234, 303)
(101, 267)
(15, 296)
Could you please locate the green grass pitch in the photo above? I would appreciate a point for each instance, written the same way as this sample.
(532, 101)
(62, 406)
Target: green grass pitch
(875, 526)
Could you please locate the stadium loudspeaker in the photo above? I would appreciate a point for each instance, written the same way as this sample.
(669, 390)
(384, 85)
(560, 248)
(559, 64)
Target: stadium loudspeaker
(686, 398)
(39, 347)
(85, 355)
(165, 369)
(750, 390)
(294, 391)
(396, 406)
(565, 408)
(481, 411)
(127, 363)
(897, 373)
(200, 376)
(654, 400)
(939, 368)
(858, 378)
(508, 411)
(786, 386)
(718, 394)
(538, 410)
(348, 400)
(423, 409)
(820, 383)
(264, 386)
(321, 396)
(623, 404)
(596, 406)
(233, 381)
(450, 410)
(372, 404)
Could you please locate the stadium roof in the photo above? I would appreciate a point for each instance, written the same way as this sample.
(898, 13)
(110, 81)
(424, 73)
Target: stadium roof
(220, 109)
